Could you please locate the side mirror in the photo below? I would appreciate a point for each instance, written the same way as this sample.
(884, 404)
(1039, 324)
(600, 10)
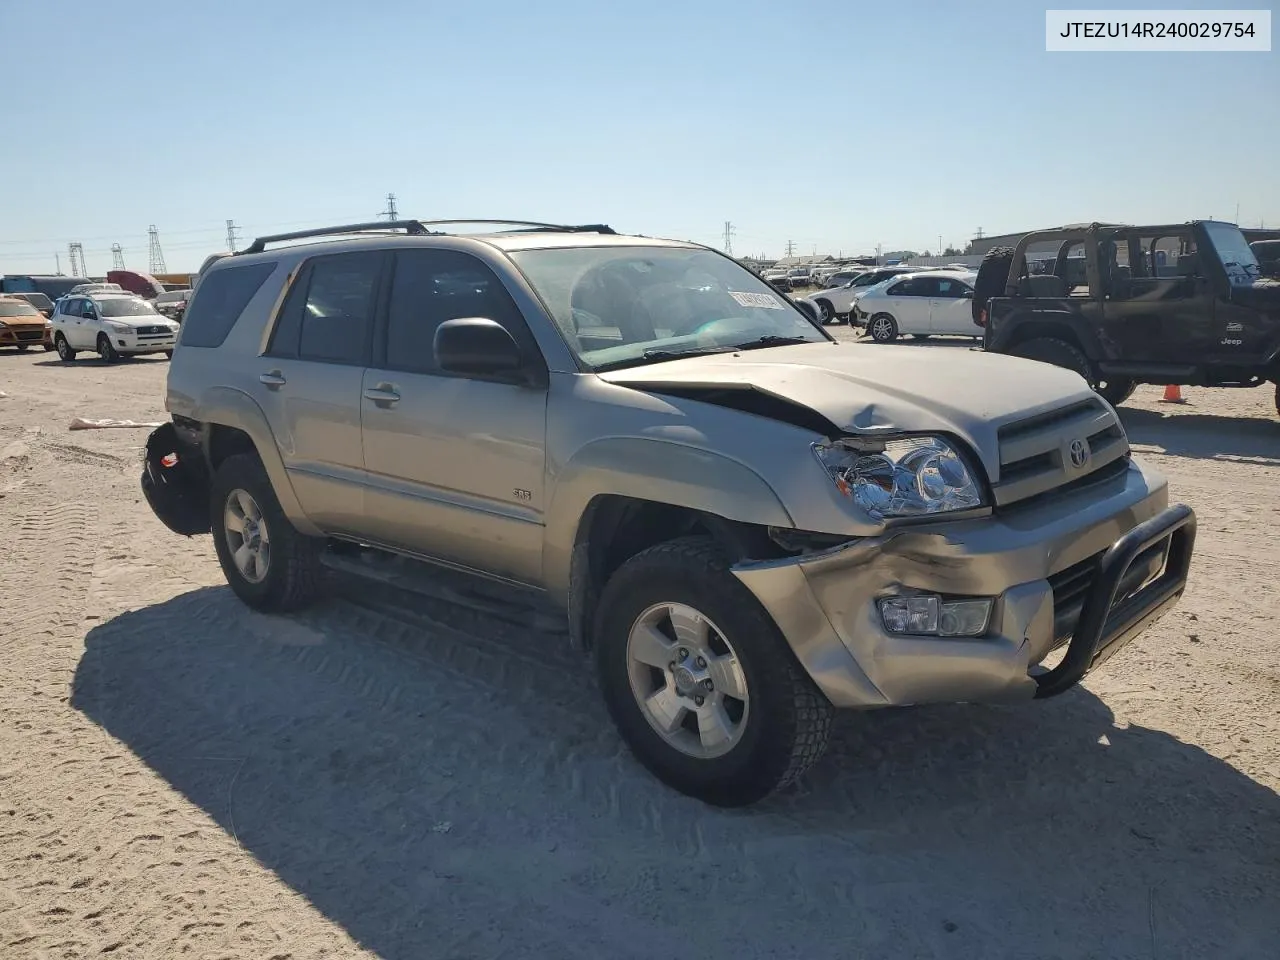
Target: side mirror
(476, 345)
(968, 295)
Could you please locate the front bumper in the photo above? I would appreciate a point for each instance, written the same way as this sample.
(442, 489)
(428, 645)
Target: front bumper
(1062, 572)
(26, 334)
(135, 342)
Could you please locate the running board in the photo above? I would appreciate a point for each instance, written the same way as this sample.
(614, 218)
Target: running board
(517, 604)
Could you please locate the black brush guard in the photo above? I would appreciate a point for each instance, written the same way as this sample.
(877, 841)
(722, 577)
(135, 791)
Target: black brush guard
(1109, 619)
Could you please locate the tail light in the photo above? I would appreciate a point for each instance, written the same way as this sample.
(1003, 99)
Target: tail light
(982, 317)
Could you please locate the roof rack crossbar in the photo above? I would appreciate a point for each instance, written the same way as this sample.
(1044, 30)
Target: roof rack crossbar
(411, 227)
(531, 224)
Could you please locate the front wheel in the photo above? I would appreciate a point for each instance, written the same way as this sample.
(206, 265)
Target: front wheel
(106, 352)
(883, 328)
(24, 347)
(825, 312)
(47, 347)
(65, 353)
(168, 354)
(699, 679)
(267, 562)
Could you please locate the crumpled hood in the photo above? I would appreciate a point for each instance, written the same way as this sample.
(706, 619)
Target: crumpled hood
(865, 389)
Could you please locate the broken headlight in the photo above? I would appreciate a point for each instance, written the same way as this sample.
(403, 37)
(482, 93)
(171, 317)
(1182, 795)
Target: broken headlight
(912, 477)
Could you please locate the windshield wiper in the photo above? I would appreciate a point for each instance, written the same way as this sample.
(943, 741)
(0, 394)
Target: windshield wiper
(772, 340)
(658, 356)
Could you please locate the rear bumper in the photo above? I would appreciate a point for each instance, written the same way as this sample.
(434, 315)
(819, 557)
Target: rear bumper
(1064, 572)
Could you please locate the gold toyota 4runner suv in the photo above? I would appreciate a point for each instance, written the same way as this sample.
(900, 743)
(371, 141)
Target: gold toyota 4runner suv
(747, 522)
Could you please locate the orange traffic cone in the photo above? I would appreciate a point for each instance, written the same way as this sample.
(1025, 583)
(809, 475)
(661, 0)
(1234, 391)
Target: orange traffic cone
(1172, 394)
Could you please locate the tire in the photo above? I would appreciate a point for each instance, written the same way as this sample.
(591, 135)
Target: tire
(1278, 396)
(828, 313)
(168, 354)
(291, 575)
(1057, 352)
(65, 353)
(47, 347)
(883, 328)
(106, 352)
(782, 723)
(23, 347)
(1115, 392)
(993, 273)
(921, 336)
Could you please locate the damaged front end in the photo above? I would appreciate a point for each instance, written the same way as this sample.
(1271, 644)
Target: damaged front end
(176, 483)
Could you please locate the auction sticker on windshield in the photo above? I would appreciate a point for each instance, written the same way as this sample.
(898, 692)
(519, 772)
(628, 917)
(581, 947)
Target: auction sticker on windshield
(763, 300)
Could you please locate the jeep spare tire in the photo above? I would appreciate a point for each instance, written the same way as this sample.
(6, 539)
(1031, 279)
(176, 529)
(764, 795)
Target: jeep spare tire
(992, 274)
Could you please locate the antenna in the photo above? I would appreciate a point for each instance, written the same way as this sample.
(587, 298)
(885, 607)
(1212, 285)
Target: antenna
(390, 213)
(729, 231)
(76, 251)
(232, 235)
(155, 255)
(117, 257)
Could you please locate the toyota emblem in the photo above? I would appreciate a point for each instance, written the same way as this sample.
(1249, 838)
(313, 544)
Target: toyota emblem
(1079, 452)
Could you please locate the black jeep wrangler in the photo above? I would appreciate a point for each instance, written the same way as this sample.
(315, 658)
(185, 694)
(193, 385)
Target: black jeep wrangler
(1172, 304)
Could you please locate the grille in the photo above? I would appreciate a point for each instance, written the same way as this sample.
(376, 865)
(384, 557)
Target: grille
(29, 334)
(150, 330)
(1035, 453)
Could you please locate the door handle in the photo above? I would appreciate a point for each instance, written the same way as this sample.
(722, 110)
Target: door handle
(274, 379)
(384, 394)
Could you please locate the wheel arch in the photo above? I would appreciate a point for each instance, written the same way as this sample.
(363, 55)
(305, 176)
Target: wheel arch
(616, 497)
(234, 424)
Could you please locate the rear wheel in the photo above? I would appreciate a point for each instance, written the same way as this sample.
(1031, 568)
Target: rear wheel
(65, 353)
(267, 562)
(883, 328)
(1057, 352)
(826, 312)
(700, 681)
(1116, 392)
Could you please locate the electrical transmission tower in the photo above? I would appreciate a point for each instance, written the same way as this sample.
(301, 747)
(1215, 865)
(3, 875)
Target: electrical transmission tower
(117, 257)
(78, 269)
(979, 234)
(155, 256)
(391, 213)
(233, 234)
(729, 231)
(791, 248)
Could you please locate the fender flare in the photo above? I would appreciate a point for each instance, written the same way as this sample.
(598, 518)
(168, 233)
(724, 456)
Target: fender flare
(658, 471)
(234, 408)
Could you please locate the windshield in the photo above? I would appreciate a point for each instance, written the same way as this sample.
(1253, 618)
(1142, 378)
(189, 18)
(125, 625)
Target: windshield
(1234, 251)
(18, 310)
(125, 308)
(618, 306)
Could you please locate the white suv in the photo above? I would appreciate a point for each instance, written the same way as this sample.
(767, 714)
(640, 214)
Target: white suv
(111, 325)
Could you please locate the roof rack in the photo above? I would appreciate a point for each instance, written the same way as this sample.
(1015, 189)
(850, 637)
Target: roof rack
(410, 227)
(531, 226)
(417, 228)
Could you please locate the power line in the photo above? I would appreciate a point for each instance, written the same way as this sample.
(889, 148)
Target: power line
(117, 257)
(155, 256)
(232, 235)
(390, 213)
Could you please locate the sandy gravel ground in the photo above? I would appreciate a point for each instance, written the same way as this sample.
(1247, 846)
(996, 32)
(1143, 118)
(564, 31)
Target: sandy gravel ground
(398, 777)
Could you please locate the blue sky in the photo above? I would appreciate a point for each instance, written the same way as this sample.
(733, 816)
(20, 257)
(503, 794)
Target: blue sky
(832, 124)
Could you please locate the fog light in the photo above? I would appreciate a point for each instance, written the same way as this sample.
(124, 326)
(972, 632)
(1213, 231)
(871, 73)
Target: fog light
(931, 615)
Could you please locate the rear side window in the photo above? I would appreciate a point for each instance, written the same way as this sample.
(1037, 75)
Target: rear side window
(337, 317)
(220, 300)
